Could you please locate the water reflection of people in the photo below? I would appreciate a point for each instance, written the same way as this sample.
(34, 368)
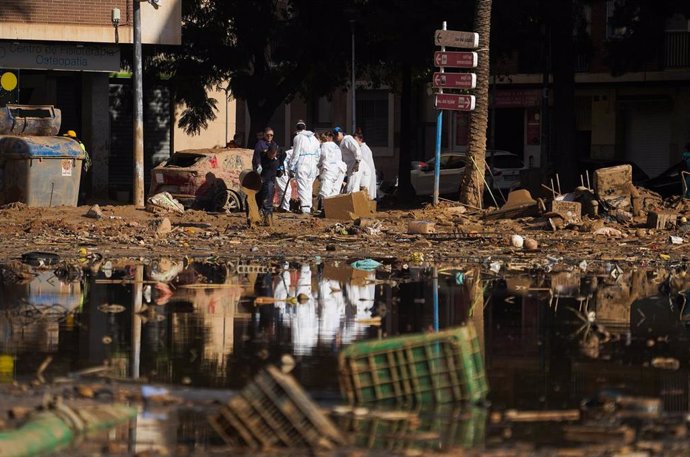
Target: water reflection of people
(282, 288)
(305, 321)
(331, 308)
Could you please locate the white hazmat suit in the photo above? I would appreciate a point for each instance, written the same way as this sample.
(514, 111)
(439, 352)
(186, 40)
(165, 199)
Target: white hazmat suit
(303, 163)
(352, 154)
(332, 168)
(282, 183)
(368, 157)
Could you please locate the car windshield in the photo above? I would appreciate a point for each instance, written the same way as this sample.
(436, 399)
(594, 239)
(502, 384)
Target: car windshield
(183, 160)
(505, 161)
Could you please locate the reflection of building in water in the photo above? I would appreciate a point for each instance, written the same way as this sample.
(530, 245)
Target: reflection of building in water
(214, 314)
(556, 340)
(32, 312)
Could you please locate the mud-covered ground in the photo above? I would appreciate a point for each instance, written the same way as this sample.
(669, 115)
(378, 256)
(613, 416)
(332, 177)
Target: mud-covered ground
(125, 231)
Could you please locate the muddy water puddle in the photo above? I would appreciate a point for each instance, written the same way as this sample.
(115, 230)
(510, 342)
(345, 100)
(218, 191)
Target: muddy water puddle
(551, 341)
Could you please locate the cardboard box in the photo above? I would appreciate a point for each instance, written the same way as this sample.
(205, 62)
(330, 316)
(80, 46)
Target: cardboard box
(613, 181)
(345, 274)
(571, 210)
(349, 206)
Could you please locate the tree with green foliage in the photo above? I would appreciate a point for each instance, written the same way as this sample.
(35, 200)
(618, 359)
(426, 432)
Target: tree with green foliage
(268, 51)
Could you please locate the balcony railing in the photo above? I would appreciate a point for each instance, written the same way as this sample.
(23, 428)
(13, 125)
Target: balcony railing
(677, 50)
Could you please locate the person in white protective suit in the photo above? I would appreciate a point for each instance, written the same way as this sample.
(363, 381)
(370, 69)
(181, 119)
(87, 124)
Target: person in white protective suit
(306, 150)
(305, 324)
(357, 169)
(283, 287)
(332, 167)
(368, 157)
(285, 191)
(331, 309)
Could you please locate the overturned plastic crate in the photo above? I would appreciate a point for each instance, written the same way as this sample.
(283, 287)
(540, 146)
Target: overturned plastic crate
(440, 367)
(273, 411)
(442, 428)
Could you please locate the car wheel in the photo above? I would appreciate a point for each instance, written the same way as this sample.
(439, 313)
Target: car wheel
(229, 201)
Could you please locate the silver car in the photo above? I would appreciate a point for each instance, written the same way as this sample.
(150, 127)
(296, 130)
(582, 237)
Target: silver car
(504, 175)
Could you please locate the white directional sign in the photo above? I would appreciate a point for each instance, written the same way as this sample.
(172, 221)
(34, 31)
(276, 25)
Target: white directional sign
(455, 80)
(455, 102)
(456, 39)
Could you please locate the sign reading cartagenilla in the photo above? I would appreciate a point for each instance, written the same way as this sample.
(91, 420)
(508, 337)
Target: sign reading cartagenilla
(38, 56)
(455, 102)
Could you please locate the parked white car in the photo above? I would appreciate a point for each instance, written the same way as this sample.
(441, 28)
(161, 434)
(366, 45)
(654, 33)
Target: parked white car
(506, 172)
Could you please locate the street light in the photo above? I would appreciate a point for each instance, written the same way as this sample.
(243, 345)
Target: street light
(354, 90)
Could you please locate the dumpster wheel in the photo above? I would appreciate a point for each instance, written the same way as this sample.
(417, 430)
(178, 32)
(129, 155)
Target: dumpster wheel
(229, 201)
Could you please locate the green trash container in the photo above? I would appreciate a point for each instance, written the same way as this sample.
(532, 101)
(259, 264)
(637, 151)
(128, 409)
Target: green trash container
(41, 171)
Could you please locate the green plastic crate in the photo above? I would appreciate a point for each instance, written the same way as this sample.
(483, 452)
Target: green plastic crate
(273, 411)
(440, 367)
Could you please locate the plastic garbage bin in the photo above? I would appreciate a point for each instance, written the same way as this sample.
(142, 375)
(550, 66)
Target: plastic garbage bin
(41, 171)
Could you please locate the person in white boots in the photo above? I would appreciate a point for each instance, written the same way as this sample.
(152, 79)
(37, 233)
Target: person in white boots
(306, 150)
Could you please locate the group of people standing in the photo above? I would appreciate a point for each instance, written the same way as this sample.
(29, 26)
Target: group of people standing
(343, 163)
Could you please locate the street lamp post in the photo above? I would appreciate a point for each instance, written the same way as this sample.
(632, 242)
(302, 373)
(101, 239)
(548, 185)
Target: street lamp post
(354, 90)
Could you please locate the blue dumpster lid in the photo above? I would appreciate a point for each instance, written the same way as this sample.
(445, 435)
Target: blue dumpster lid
(27, 147)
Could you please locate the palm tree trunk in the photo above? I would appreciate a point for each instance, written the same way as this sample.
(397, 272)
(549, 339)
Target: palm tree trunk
(472, 184)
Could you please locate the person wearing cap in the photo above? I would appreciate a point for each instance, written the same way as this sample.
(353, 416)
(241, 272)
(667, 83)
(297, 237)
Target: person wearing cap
(357, 170)
(332, 167)
(338, 135)
(303, 164)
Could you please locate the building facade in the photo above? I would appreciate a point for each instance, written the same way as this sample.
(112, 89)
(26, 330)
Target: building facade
(69, 54)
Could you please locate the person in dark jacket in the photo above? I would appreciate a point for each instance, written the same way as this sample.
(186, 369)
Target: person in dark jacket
(261, 147)
(272, 163)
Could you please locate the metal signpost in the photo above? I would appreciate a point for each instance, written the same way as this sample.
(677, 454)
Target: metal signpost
(443, 80)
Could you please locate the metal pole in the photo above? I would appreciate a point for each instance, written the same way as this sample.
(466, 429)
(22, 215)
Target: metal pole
(226, 116)
(138, 115)
(354, 90)
(439, 128)
(435, 285)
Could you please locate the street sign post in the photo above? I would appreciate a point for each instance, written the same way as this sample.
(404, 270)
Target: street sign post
(455, 80)
(457, 39)
(455, 102)
(455, 59)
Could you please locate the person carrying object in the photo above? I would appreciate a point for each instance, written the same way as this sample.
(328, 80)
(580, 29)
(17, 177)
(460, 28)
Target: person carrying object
(357, 169)
(303, 164)
(271, 168)
(261, 147)
(331, 166)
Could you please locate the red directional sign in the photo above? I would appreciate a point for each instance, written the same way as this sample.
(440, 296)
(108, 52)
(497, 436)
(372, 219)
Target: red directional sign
(455, 80)
(455, 102)
(455, 59)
